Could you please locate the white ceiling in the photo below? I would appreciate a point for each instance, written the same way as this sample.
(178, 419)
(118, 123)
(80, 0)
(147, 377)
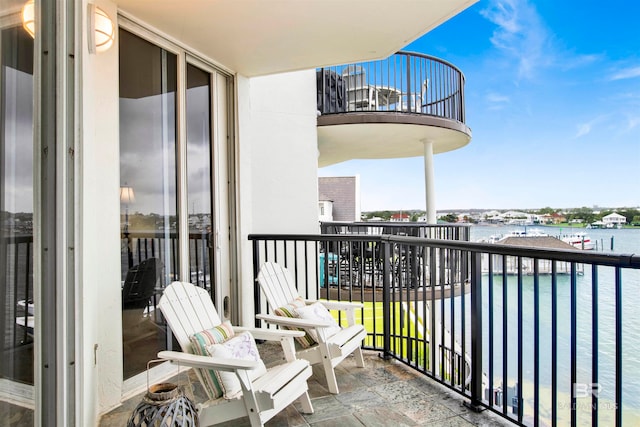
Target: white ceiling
(258, 37)
(339, 143)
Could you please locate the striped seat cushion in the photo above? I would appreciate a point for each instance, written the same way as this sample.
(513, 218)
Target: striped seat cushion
(200, 342)
(289, 310)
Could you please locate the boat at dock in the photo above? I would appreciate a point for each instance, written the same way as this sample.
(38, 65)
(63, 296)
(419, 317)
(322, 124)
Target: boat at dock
(579, 240)
(502, 238)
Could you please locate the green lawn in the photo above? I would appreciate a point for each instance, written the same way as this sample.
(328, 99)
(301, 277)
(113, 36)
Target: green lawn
(406, 329)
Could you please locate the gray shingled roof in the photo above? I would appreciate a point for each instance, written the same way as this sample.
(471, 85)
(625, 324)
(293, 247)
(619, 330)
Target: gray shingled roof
(547, 242)
(341, 190)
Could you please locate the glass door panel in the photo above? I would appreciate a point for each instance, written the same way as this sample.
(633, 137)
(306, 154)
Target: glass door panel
(199, 176)
(149, 215)
(16, 226)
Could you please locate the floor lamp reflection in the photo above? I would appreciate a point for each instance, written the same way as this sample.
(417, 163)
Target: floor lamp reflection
(127, 197)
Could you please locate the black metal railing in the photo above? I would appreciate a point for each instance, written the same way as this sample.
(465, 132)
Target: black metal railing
(415, 229)
(405, 82)
(534, 335)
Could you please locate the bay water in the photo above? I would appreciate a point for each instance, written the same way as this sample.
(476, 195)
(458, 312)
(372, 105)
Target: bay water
(618, 241)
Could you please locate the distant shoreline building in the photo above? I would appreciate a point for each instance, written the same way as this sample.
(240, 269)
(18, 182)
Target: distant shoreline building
(339, 198)
(614, 220)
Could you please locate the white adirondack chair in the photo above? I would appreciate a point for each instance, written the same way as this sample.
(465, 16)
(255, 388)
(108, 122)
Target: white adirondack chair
(277, 284)
(188, 310)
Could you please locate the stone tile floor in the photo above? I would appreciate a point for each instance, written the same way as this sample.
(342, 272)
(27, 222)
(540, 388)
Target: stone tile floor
(384, 393)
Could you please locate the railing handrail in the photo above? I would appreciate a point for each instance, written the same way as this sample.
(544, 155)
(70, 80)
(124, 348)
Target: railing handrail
(17, 239)
(431, 58)
(160, 234)
(554, 254)
(398, 224)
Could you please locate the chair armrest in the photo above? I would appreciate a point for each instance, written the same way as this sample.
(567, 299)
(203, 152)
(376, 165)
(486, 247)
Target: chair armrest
(348, 307)
(292, 322)
(269, 334)
(284, 336)
(338, 305)
(207, 362)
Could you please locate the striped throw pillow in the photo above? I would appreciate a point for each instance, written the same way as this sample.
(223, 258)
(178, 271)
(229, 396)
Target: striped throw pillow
(289, 310)
(199, 345)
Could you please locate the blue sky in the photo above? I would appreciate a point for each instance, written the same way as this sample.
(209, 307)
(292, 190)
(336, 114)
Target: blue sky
(553, 100)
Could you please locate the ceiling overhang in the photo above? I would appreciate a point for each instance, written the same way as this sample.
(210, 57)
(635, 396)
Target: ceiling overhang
(260, 37)
(343, 137)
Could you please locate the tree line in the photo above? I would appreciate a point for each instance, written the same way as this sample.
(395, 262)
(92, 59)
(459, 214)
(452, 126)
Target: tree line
(584, 214)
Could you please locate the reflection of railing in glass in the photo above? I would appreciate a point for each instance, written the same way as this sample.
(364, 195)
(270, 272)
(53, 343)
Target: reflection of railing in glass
(153, 245)
(17, 282)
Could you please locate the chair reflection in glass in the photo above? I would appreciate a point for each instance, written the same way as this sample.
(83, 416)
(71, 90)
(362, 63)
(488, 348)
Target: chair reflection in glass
(140, 287)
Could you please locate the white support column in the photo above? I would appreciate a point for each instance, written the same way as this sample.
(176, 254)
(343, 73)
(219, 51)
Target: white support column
(429, 186)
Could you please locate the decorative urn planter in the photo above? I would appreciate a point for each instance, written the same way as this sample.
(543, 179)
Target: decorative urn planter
(164, 405)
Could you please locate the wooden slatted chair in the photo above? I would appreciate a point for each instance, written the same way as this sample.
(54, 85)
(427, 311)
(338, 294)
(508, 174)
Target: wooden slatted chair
(325, 342)
(189, 311)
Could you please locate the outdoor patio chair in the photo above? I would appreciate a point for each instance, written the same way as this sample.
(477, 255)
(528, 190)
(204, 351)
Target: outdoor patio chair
(326, 342)
(227, 362)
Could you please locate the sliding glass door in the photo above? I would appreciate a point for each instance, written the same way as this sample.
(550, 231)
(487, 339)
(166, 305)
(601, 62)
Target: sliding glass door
(149, 221)
(199, 176)
(16, 226)
(166, 188)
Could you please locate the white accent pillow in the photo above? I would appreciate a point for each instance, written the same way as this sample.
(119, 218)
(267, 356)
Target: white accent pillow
(243, 347)
(319, 313)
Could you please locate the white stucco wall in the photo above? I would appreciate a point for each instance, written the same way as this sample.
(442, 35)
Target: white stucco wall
(98, 309)
(277, 164)
(284, 153)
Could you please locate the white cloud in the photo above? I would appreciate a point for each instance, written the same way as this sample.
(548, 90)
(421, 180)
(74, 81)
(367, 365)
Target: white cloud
(626, 73)
(583, 129)
(497, 98)
(586, 128)
(524, 38)
(520, 35)
(497, 101)
(633, 122)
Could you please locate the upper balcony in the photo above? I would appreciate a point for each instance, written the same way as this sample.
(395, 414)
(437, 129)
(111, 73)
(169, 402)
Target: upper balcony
(390, 108)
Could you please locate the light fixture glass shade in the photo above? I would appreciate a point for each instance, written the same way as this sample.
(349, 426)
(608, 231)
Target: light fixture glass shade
(29, 18)
(104, 32)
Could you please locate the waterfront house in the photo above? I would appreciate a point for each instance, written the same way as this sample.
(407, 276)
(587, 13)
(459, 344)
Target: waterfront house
(400, 217)
(613, 220)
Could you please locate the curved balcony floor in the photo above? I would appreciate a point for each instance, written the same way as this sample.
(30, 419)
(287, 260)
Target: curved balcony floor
(385, 135)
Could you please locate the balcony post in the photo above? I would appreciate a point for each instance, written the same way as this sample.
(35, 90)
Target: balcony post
(256, 286)
(476, 333)
(429, 185)
(386, 297)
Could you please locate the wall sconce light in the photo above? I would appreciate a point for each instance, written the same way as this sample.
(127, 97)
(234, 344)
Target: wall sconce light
(101, 30)
(29, 18)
